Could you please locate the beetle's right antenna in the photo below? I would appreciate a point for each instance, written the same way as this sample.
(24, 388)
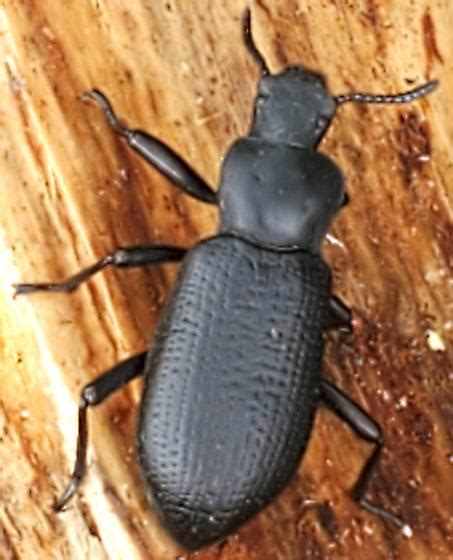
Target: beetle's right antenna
(250, 44)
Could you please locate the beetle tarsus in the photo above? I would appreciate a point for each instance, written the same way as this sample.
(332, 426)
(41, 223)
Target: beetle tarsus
(366, 428)
(80, 464)
(92, 394)
(110, 115)
(140, 255)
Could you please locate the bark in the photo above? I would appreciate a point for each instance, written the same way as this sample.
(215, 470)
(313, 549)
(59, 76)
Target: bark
(71, 191)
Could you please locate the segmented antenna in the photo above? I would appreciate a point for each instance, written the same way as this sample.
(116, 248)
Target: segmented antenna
(405, 97)
(250, 45)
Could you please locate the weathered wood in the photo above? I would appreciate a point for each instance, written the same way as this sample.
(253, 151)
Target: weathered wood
(71, 191)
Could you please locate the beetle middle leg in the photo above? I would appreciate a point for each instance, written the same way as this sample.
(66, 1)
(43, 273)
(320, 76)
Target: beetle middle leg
(92, 394)
(125, 257)
(367, 429)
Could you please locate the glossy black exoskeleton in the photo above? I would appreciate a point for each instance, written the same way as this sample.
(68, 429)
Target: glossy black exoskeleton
(233, 377)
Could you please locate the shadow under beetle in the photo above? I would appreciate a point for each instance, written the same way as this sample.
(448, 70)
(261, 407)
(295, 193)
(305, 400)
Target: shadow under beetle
(232, 379)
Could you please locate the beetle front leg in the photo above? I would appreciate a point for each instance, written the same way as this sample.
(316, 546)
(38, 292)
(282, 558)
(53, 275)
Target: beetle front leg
(128, 256)
(92, 394)
(367, 429)
(158, 154)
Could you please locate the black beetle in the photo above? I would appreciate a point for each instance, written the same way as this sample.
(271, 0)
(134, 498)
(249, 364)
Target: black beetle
(232, 380)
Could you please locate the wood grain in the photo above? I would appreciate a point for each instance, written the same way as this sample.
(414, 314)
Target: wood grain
(71, 192)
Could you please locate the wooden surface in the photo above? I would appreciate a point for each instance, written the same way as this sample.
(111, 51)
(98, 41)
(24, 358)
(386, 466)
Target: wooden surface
(71, 191)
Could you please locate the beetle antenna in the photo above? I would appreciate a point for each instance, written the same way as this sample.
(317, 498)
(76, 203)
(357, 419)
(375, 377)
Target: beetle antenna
(404, 97)
(250, 44)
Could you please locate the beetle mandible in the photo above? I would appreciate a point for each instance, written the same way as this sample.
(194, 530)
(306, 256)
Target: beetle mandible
(232, 379)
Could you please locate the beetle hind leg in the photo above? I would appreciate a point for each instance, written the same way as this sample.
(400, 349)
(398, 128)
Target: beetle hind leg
(360, 487)
(92, 394)
(366, 428)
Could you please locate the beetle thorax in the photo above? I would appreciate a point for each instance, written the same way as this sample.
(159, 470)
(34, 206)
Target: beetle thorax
(278, 195)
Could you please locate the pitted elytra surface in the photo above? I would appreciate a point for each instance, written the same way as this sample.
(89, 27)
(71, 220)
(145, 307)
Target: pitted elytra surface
(227, 414)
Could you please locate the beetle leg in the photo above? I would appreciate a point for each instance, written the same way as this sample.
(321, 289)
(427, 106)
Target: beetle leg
(92, 394)
(366, 428)
(158, 154)
(346, 200)
(339, 315)
(128, 256)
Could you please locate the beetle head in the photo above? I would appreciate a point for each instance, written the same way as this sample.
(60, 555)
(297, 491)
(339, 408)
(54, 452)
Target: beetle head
(293, 108)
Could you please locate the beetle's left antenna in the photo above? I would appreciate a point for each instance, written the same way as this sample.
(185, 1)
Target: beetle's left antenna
(250, 44)
(404, 97)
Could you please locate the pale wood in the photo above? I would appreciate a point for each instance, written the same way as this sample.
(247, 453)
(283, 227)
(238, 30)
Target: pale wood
(71, 191)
